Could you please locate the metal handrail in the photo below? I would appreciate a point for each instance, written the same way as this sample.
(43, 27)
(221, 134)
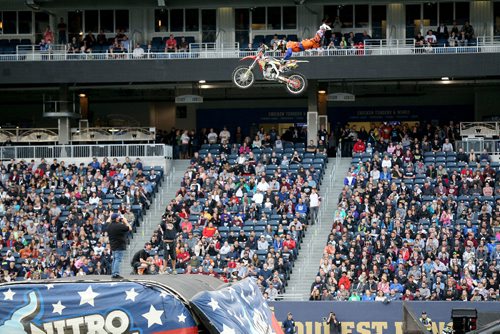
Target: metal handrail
(100, 134)
(492, 146)
(85, 151)
(234, 53)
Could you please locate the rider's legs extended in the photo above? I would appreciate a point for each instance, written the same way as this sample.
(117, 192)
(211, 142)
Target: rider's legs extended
(292, 47)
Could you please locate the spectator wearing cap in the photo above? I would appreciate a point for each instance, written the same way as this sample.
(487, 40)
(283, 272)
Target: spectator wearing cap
(118, 230)
(140, 261)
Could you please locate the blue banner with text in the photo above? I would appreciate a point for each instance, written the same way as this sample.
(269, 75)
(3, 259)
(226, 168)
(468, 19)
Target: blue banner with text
(371, 317)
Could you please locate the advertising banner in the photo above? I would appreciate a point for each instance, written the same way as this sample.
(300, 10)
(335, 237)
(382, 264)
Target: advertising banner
(370, 317)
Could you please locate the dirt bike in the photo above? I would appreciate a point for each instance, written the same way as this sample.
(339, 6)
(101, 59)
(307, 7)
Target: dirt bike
(272, 70)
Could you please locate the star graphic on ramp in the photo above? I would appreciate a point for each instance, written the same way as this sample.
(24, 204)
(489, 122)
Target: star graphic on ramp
(213, 304)
(58, 308)
(50, 286)
(153, 316)
(182, 318)
(88, 296)
(9, 295)
(131, 294)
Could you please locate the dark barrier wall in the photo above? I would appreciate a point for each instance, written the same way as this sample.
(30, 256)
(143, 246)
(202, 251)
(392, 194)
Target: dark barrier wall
(188, 70)
(370, 317)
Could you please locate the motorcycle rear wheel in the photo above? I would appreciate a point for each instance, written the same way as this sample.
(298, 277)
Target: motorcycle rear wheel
(243, 77)
(297, 83)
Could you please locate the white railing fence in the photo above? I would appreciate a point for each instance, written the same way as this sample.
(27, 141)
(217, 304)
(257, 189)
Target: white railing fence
(85, 151)
(492, 146)
(78, 135)
(210, 51)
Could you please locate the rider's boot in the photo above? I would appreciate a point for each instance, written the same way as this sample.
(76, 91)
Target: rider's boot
(283, 63)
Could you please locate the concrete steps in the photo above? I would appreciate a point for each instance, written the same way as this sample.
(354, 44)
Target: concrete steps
(153, 216)
(307, 264)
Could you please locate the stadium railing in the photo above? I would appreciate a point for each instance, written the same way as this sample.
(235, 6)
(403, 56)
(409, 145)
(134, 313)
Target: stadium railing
(86, 151)
(491, 146)
(209, 51)
(79, 134)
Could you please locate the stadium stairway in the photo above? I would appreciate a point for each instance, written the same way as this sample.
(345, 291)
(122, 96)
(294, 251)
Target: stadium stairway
(307, 264)
(153, 216)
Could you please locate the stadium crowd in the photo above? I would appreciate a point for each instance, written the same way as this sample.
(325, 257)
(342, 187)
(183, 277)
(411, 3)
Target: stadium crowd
(242, 208)
(54, 215)
(417, 219)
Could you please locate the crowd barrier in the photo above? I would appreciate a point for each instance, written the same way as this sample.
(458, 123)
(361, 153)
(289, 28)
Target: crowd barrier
(371, 317)
(85, 151)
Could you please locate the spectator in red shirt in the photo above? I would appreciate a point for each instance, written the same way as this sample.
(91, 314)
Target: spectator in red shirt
(209, 231)
(183, 257)
(345, 281)
(186, 226)
(408, 295)
(48, 35)
(289, 242)
(359, 147)
(171, 44)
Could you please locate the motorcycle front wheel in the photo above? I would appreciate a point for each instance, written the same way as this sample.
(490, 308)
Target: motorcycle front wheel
(243, 77)
(297, 83)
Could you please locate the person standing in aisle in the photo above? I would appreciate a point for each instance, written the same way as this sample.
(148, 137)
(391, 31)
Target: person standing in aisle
(169, 236)
(118, 229)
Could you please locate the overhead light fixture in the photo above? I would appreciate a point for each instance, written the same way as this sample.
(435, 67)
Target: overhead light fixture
(205, 86)
(322, 91)
(445, 79)
(82, 95)
(202, 81)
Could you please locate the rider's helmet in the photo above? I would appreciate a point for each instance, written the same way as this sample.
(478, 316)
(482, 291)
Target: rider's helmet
(325, 27)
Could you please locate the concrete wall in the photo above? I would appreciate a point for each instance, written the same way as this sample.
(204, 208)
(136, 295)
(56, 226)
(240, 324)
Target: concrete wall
(400, 67)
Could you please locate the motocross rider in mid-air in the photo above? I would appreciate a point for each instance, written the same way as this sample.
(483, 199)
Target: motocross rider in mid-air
(306, 44)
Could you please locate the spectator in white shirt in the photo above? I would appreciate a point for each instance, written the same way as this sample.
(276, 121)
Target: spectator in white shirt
(224, 135)
(263, 185)
(212, 137)
(386, 162)
(430, 38)
(375, 174)
(262, 243)
(272, 293)
(314, 204)
(447, 146)
(138, 51)
(258, 197)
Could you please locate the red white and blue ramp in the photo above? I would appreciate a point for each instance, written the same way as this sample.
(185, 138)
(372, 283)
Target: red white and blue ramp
(239, 308)
(92, 308)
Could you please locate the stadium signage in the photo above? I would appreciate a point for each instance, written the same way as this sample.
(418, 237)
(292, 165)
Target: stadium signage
(188, 99)
(341, 97)
(371, 317)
